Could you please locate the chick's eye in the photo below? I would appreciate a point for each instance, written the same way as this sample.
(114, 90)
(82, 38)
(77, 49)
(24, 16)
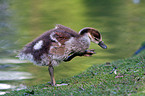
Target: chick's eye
(96, 39)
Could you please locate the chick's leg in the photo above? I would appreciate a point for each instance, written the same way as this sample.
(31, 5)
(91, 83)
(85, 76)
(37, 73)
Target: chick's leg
(51, 73)
(86, 53)
(89, 52)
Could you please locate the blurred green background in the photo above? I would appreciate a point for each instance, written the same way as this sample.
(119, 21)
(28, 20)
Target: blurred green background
(120, 22)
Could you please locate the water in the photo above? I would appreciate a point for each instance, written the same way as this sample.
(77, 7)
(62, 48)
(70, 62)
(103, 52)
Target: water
(136, 1)
(10, 77)
(121, 23)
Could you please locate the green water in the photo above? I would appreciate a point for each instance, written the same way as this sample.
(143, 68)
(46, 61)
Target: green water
(121, 24)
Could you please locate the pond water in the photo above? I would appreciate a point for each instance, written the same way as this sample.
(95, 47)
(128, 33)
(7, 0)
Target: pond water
(10, 77)
(121, 24)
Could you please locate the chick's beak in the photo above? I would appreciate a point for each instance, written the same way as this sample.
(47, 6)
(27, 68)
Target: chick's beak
(101, 44)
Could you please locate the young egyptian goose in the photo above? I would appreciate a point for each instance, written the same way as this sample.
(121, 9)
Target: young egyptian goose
(60, 44)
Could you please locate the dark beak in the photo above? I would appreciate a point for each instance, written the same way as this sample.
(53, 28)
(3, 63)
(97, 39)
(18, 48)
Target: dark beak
(101, 44)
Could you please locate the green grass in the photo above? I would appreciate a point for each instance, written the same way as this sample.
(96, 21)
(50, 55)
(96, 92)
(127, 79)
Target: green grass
(98, 80)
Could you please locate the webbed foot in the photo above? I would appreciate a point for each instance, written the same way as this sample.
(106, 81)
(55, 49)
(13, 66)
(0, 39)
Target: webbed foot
(89, 52)
(63, 84)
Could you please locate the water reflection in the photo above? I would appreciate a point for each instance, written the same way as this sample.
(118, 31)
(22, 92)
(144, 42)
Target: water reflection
(2, 93)
(14, 75)
(5, 88)
(136, 1)
(15, 61)
(7, 78)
